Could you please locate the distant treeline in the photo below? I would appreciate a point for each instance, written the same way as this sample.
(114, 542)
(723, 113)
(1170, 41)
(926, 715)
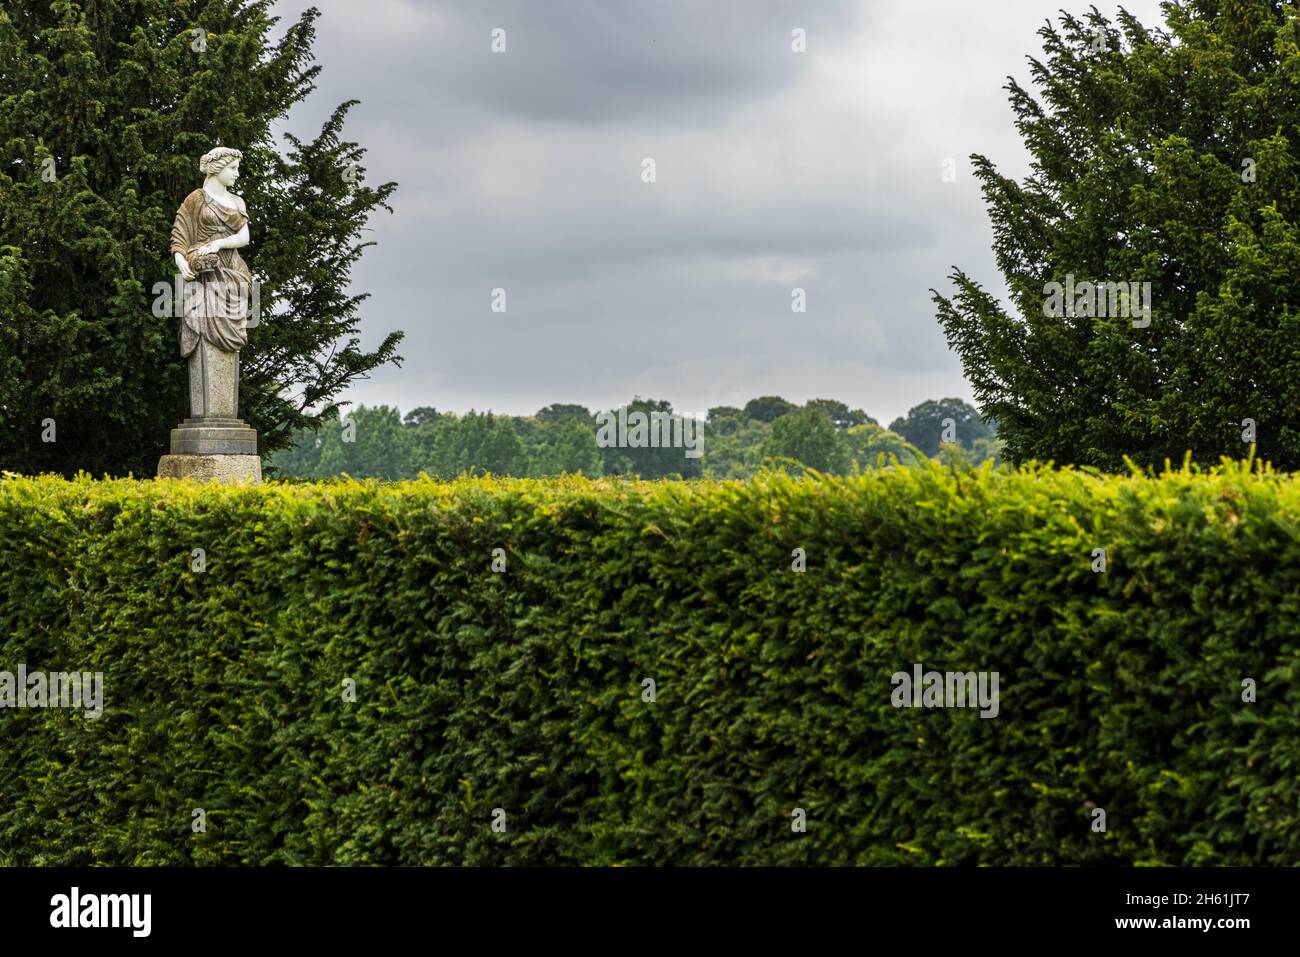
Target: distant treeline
(821, 434)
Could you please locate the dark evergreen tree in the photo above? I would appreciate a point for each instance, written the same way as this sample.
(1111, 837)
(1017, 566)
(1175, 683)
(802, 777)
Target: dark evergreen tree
(561, 411)
(667, 461)
(924, 425)
(105, 109)
(840, 414)
(420, 416)
(1164, 156)
(724, 420)
(768, 408)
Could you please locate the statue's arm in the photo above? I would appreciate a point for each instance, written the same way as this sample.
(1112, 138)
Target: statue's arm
(240, 239)
(180, 238)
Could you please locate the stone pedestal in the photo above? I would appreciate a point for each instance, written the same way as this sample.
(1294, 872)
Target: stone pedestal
(228, 469)
(213, 444)
(214, 383)
(213, 448)
(214, 435)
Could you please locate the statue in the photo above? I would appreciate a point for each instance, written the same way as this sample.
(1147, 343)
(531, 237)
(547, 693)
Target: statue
(211, 226)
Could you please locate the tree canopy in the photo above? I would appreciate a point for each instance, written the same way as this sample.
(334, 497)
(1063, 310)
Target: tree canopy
(925, 425)
(1165, 156)
(378, 442)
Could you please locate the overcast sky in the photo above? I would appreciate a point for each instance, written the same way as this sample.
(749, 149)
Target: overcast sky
(774, 170)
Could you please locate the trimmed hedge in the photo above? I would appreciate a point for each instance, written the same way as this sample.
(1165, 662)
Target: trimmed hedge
(522, 690)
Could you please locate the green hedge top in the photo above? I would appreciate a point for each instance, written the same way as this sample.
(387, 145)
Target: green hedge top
(503, 709)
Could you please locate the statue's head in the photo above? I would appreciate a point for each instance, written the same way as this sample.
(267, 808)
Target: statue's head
(222, 164)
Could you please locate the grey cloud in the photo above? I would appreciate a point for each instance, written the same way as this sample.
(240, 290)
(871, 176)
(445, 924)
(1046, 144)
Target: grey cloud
(820, 170)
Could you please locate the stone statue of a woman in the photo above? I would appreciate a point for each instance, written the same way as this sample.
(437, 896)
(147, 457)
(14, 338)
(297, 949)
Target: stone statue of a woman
(211, 225)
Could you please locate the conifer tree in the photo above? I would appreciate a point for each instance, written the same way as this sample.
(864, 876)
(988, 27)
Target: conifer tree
(1166, 156)
(105, 109)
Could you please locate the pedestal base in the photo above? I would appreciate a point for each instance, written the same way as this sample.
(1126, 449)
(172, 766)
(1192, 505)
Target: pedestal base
(227, 469)
(214, 435)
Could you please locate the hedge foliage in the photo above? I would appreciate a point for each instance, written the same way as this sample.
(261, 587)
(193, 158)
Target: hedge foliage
(522, 690)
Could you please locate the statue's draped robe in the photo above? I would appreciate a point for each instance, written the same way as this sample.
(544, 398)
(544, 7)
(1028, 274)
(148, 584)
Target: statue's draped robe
(216, 304)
